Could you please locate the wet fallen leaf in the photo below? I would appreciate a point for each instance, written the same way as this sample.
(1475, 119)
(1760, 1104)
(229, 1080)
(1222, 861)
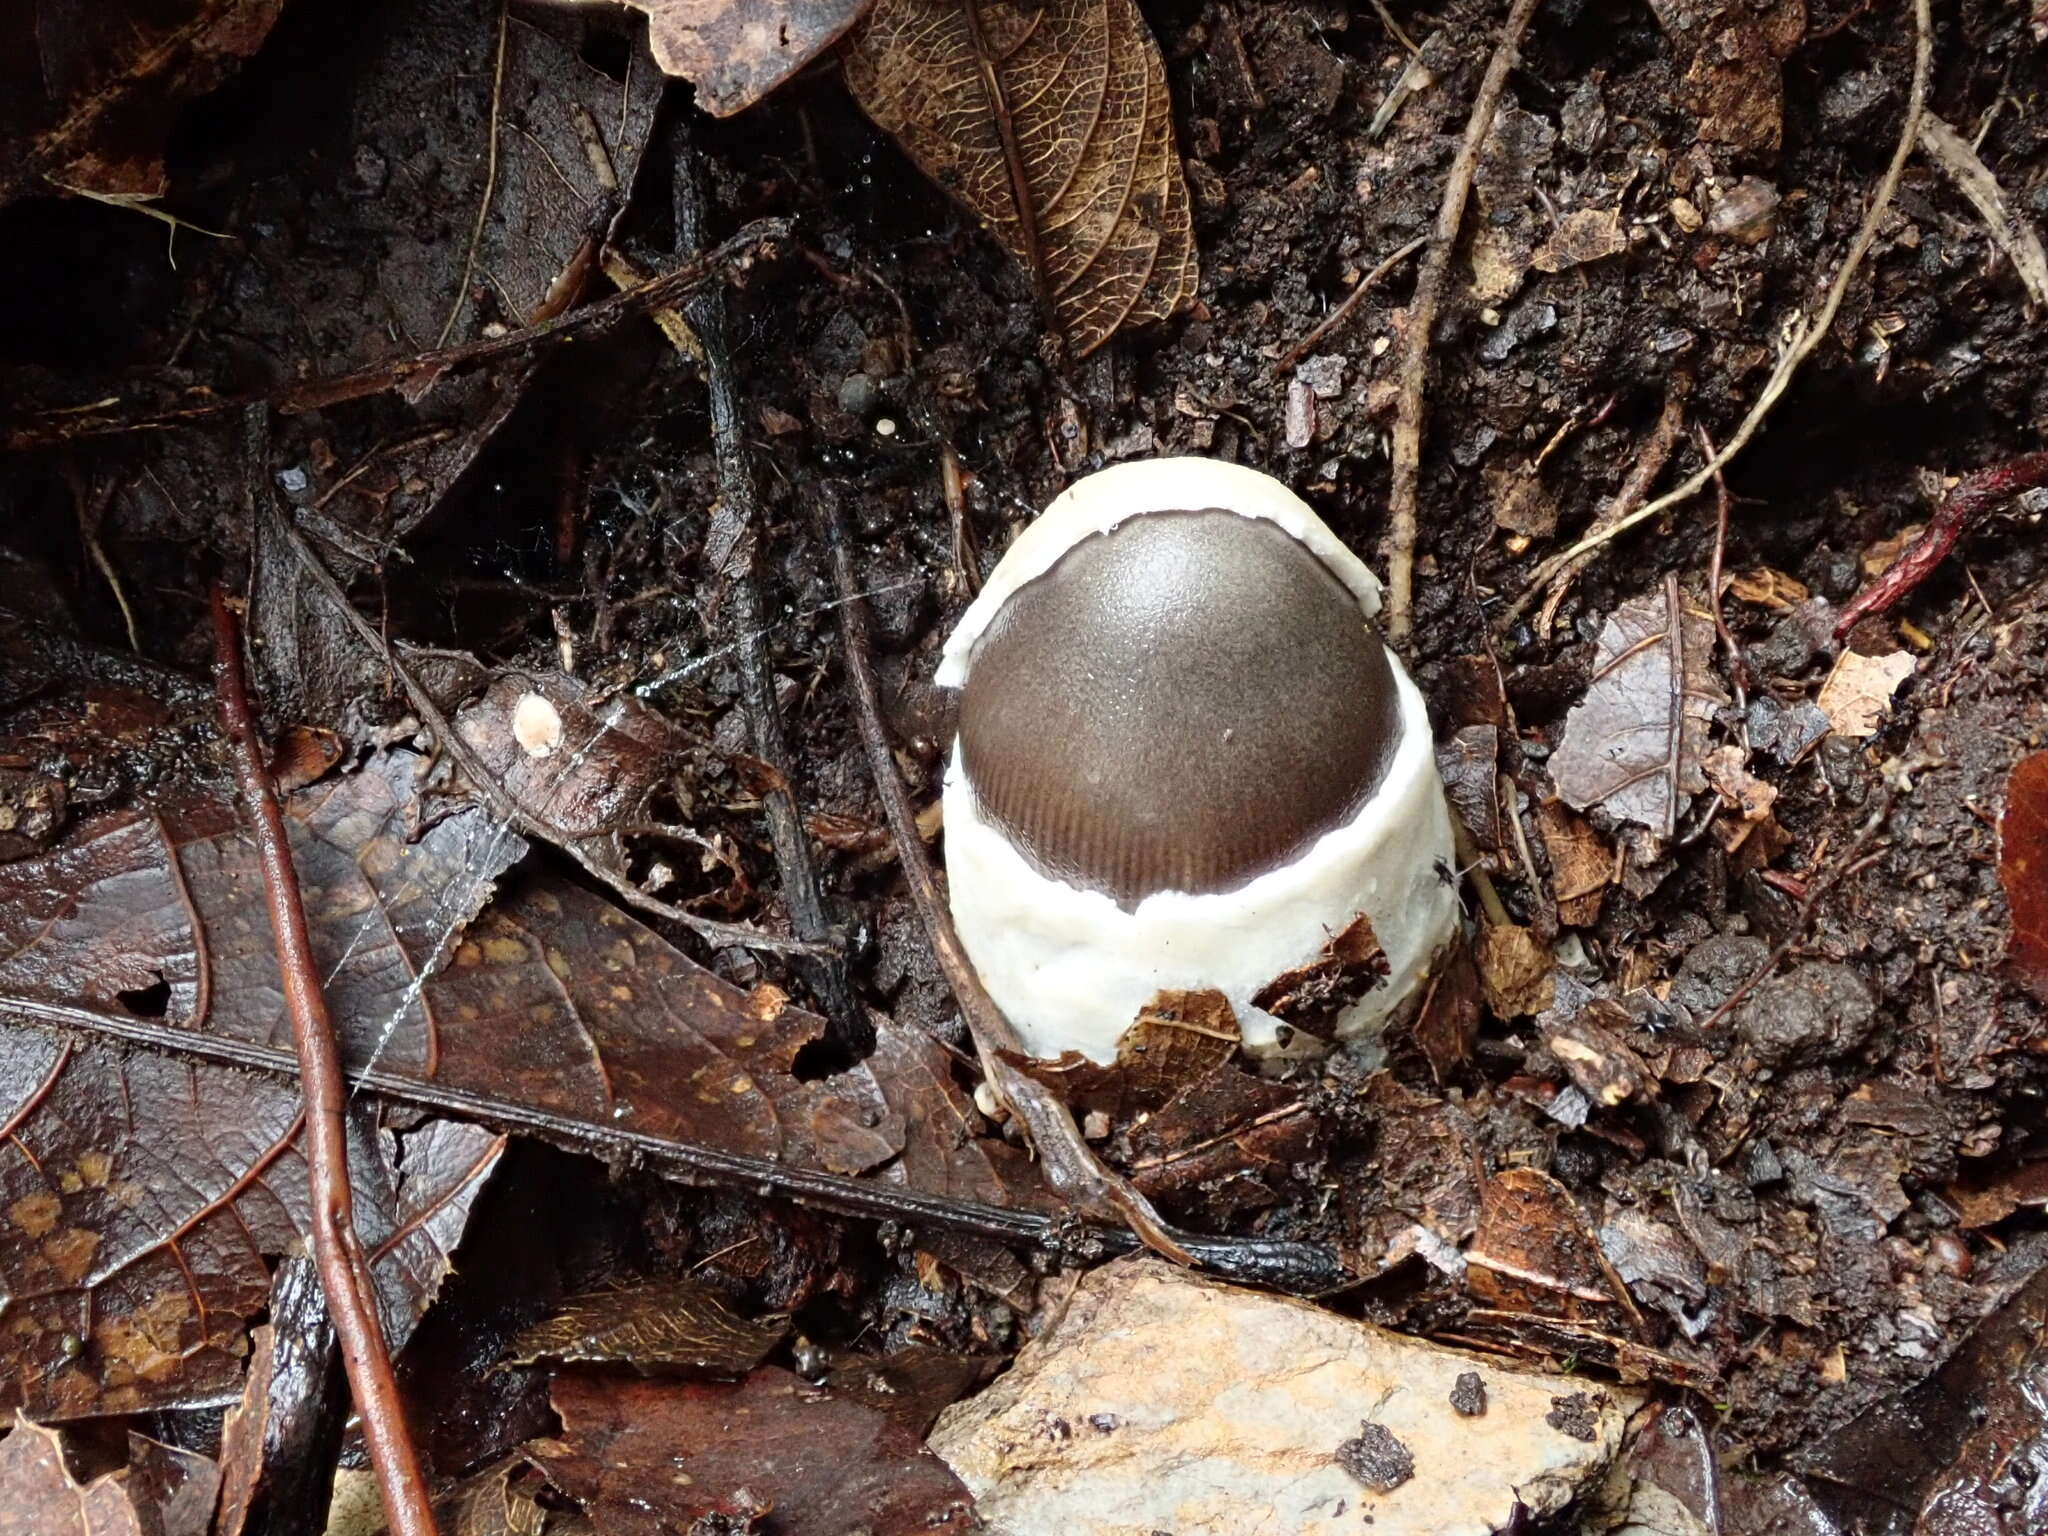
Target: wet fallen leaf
(1595, 1056)
(39, 1496)
(152, 1195)
(1310, 997)
(102, 85)
(664, 1322)
(1051, 123)
(162, 1491)
(1533, 1253)
(1447, 1025)
(2023, 871)
(1225, 1144)
(151, 919)
(582, 763)
(648, 1458)
(1858, 692)
(1178, 1038)
(1634, 744)
(737, 51)
(1514, 970)
(911, 1385)
(1468, 762)
(1962, 1450)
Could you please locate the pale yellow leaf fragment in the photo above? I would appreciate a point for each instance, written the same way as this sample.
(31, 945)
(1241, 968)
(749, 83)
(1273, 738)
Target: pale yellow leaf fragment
(1859, 691)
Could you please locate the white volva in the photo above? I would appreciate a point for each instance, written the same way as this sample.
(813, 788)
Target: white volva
(1069, 966)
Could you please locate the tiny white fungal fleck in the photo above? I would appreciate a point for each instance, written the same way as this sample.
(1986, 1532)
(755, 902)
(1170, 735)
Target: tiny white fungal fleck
(536, 725)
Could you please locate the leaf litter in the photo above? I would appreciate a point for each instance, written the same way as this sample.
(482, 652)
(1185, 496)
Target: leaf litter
(1784, 1189)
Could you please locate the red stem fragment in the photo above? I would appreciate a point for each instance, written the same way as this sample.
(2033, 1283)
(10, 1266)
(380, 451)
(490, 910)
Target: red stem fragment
(1967, 501)
(338, 1253)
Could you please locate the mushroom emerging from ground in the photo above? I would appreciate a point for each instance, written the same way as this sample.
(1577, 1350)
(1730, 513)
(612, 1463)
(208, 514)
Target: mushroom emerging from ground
(1186, 762)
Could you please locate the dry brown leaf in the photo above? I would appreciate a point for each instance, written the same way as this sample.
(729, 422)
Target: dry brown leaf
(662, 1322)
(1728, 771)
(99, 87)
(2023, 871)
(1514, 971)
(1583, 235)
(1858, 693)
(1581, 865)
(1522, 503)
(1051, 124)
(737, 51)
(1768, 588)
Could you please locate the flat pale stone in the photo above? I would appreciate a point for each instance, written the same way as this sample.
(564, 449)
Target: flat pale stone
(1162, 1401)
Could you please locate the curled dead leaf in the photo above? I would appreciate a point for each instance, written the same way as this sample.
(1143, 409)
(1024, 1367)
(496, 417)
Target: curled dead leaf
(662, 1322)
(1581, 865)
(1858, 693)
(737, 51)
(1051, 123)
(1514, 971)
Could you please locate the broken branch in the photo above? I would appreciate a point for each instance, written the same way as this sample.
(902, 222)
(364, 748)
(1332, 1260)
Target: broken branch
(344, 1268)
(1402, 499)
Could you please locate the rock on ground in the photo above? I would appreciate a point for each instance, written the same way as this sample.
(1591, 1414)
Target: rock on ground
(1161, 1401)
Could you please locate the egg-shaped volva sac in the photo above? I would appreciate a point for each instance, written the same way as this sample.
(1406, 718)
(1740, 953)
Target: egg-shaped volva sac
(1187, 762)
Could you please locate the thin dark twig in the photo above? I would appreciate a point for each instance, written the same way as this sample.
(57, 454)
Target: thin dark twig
(1556, 573)
(1071, 1168)
(1286, 1266)
(344, 1270)
(1403, 498)
(486, 784)
(1342, 312)
(415, 374)
(826, 971)
(1848, 864)
(1674, 636)
(1967, 501)
(1738, 669)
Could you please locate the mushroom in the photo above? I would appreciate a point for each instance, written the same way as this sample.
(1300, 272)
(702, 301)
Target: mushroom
(1185, 761)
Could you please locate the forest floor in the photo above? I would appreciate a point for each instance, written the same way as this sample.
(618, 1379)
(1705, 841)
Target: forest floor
(1804, 1163)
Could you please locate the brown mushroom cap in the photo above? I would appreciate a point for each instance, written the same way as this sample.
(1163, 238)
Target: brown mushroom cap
(1182, 703)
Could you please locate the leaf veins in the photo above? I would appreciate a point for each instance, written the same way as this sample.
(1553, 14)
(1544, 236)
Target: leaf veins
(1051, 123)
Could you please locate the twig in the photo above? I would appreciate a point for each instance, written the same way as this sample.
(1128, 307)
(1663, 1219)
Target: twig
(1342, 312)
(92, 512)
(1848, 864)
(494, 794)
(1809, 335)
(1071, 1168)
(344, 1270)
(1557, 572)
(1299, 1267)
(1738, 670)
(827, 971)
(483, 203)
(1968, 500)
(1402, 510)
(412, 375)
(2009, 231)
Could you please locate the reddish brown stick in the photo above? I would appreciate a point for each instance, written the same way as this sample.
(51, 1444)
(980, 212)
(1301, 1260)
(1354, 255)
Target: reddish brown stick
(344, 1272)
(1967, 501)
